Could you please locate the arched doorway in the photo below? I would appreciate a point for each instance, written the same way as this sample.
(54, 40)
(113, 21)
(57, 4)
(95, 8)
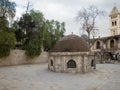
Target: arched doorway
(112, 44)
(98, 45)
(51, 62)
(115, 23)
(93, 64)
(71, 64)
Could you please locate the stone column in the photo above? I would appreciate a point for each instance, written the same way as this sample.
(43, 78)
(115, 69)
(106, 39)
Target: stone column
(118, 42)
(83, 64)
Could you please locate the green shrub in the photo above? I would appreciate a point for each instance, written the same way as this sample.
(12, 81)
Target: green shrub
(33, 48)
(7, 41)
(4, 50)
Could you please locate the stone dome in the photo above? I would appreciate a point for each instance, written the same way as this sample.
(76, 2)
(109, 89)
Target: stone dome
(71, 43)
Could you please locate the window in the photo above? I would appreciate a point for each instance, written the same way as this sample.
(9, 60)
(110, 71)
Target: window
(112, 44)
(112, 23)
(98, 45)
(92, 63)
(71, 64)
(115, 23)
(51, 62)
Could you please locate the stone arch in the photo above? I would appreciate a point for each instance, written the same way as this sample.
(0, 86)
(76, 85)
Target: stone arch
(112, 44)
(71, 64)
(92, 63)
(51, 62)
(115, 23)
(98, 45)
(112, 23)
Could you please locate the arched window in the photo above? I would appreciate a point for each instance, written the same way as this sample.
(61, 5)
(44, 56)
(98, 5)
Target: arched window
(98, 45)
(92, 63)
(112, 44)
(115, 23)
(112, 23)
(51, 62)
(71, 64)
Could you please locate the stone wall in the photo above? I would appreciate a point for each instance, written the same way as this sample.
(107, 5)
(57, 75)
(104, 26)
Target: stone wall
(60, 60)
(18, 57)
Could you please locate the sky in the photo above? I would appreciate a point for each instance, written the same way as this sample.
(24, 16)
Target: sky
(67, 10)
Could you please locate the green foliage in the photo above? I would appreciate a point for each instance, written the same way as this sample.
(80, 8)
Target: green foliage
(36, 33)
(24, 28)
(3, 23)
(7, 37)
(38, 19)
(33, 47)
(7, 8)
(4, 50)
(28, 34)
(52, 32)
(7, 41)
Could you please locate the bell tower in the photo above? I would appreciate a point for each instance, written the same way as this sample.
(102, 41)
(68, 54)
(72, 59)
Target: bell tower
(114, 22)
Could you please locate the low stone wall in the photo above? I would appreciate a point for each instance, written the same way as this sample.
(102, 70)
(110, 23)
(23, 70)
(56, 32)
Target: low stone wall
(18, 57)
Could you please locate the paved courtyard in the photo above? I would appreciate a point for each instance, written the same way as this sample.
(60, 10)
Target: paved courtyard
(38, 77)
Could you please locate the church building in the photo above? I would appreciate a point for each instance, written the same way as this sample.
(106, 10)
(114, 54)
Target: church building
(110, 45)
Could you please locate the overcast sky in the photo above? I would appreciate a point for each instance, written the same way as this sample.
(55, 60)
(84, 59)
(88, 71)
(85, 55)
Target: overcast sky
(67, 10)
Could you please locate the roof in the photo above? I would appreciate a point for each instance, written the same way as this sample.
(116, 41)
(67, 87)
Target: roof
(114, 11)
(71, 43)
(106, 38)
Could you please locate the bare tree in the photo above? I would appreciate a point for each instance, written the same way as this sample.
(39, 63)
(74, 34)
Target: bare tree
(29, 6)
(87, 18)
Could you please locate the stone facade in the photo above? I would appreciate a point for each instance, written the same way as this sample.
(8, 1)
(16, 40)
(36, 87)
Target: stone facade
(108, 48)
(73, 62)
(114, 21)
(112, 41)
(71, 54)
(109, 43)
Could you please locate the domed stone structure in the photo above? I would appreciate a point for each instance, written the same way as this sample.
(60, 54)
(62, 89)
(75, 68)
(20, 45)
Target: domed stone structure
(71, 43)
(71, 54)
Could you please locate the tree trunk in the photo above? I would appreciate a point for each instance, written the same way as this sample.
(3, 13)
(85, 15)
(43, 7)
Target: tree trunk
(89, 39)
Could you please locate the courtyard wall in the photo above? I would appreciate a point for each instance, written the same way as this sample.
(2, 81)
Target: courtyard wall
(18, 57)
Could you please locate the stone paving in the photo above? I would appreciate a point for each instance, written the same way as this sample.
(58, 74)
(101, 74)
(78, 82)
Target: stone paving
(38, 77)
